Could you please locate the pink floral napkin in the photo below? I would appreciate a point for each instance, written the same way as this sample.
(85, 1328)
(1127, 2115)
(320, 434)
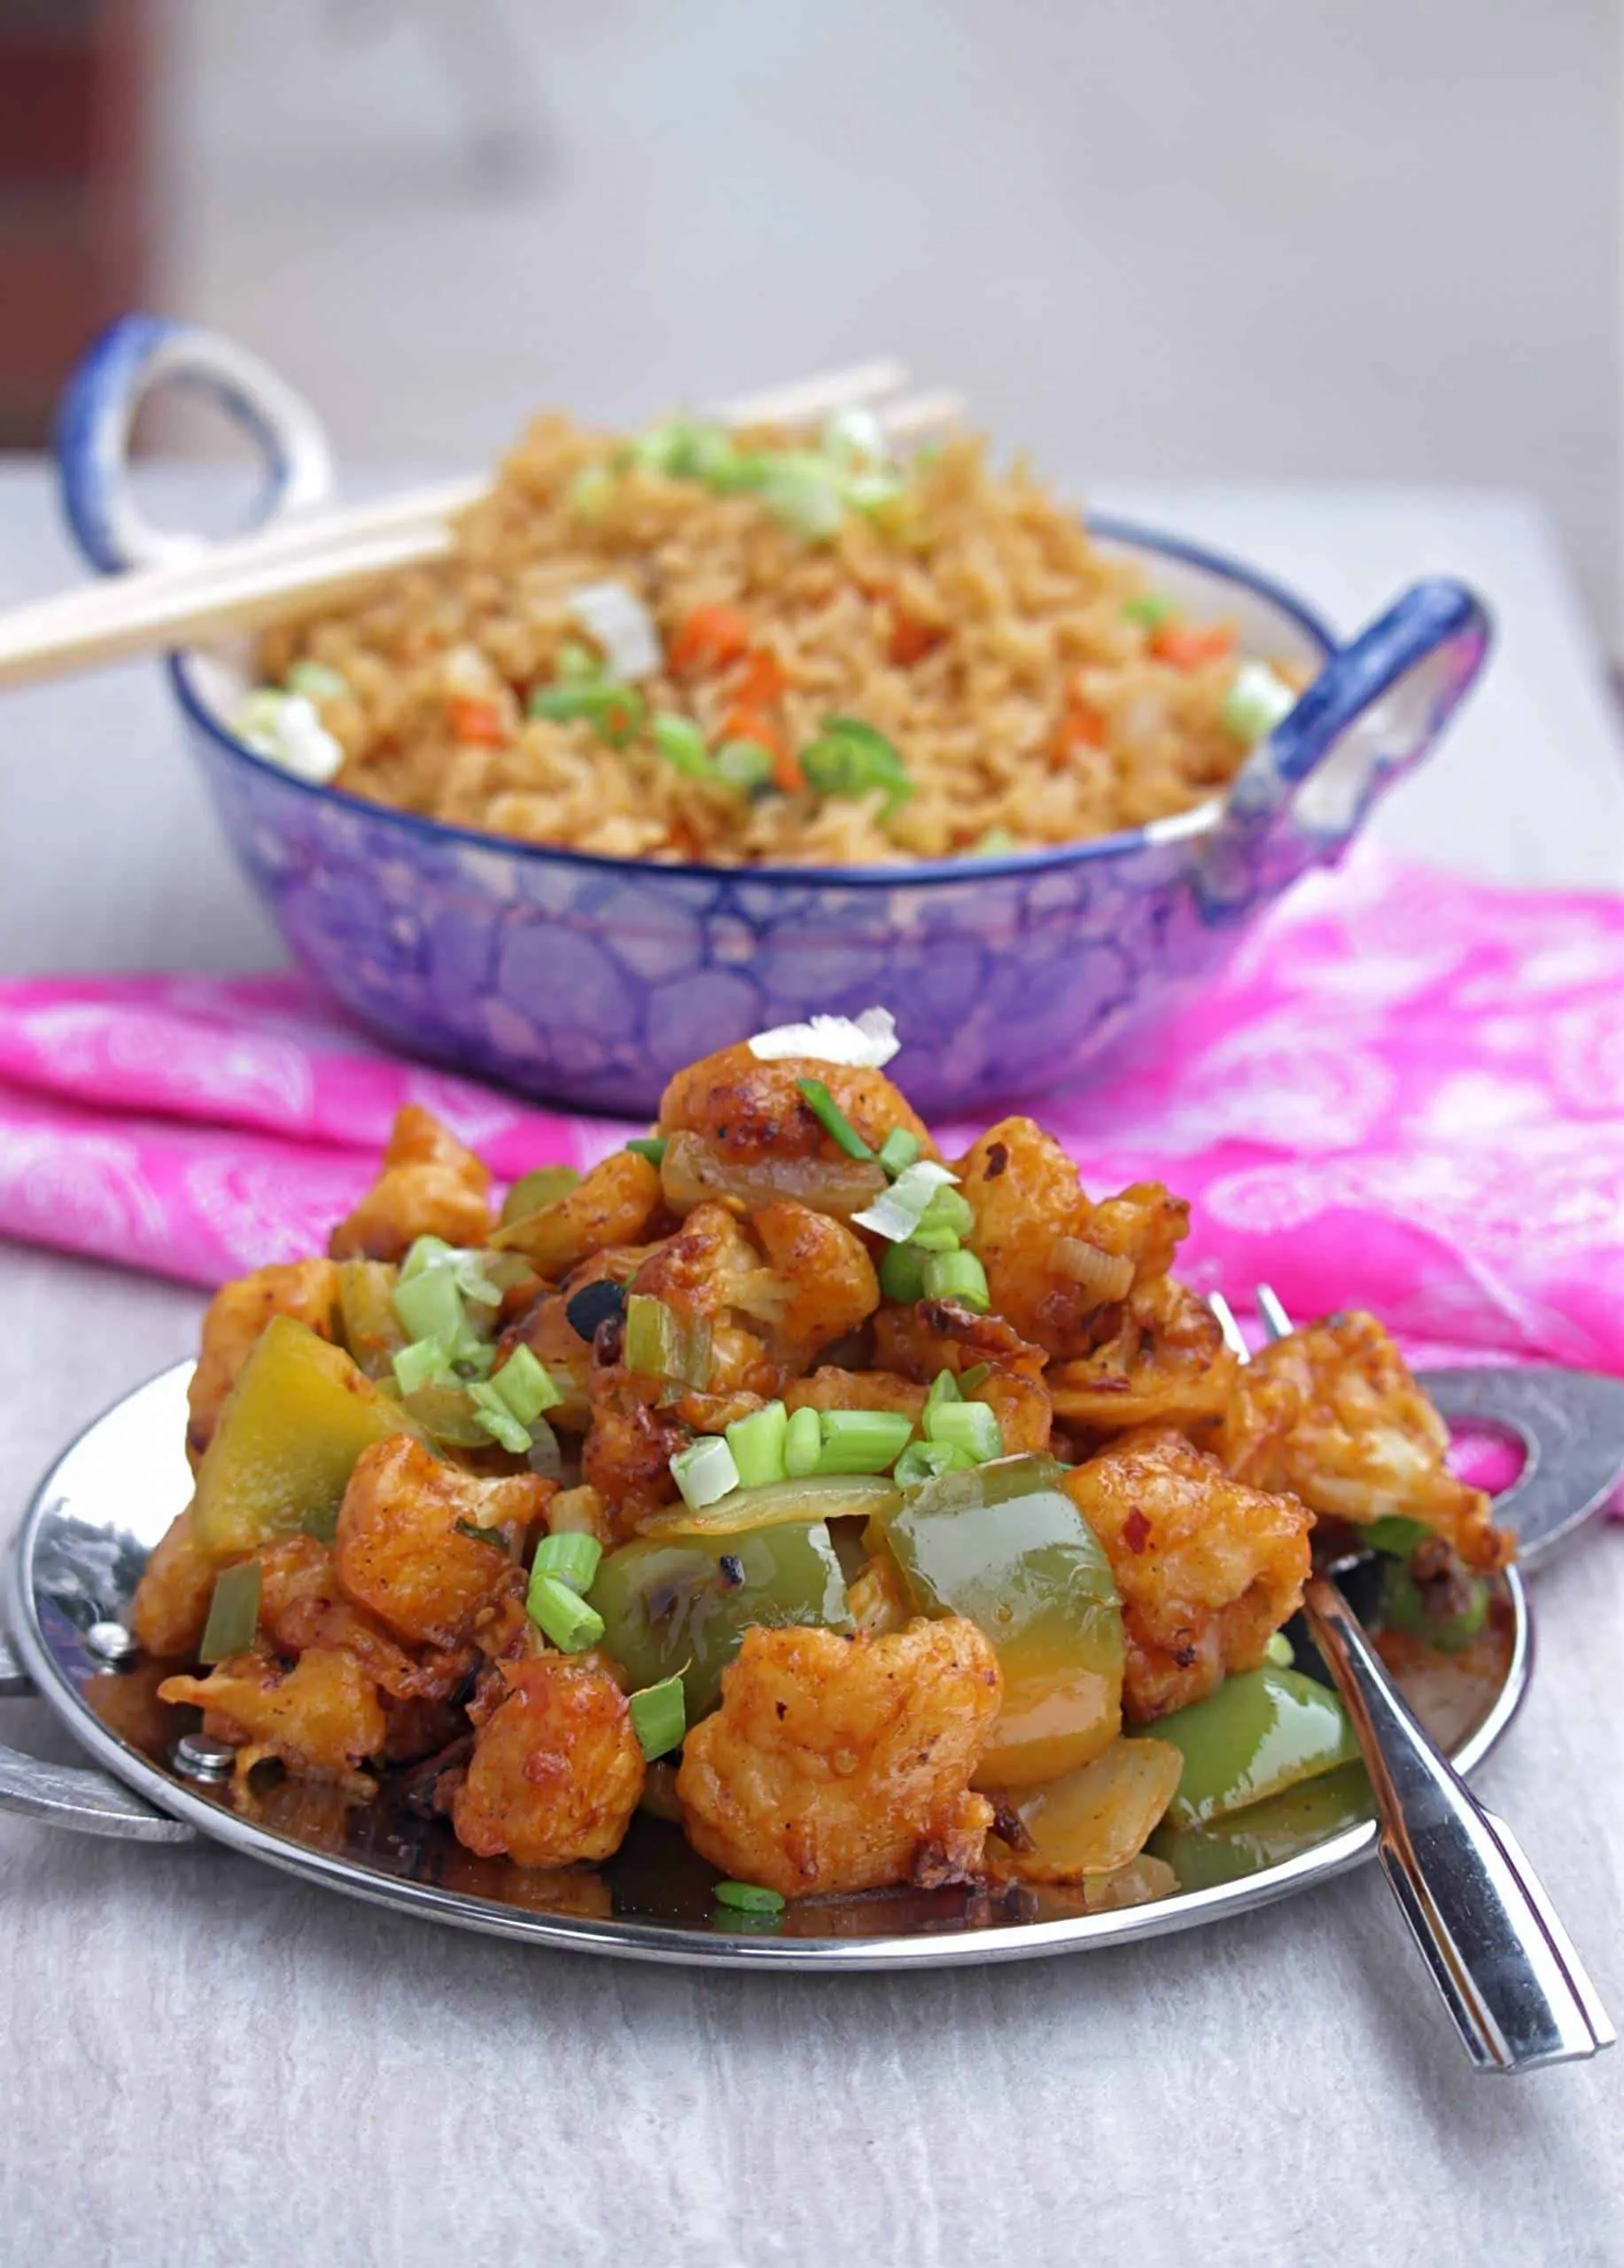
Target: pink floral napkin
(1407, 1094)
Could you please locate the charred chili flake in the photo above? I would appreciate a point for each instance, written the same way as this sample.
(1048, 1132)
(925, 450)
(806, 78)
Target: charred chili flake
(600, 1303)
(478, 1535)
(998, 1158)
(1136, 1530)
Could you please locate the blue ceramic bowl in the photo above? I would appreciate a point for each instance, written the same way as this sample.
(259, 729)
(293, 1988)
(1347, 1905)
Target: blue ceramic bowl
(586, 981)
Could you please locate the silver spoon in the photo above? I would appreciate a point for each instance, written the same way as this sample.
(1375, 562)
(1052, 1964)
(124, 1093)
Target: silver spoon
(1505, 1966)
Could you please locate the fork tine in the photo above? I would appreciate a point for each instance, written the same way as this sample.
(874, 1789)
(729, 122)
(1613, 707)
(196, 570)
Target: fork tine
(1277, 1323)
(1233, 1337)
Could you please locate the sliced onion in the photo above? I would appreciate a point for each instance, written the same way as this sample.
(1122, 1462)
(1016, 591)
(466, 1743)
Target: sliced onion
(864, 1043)
(695, 1172)
(783, 1503)
(1096, 1819)
(1103, 1275)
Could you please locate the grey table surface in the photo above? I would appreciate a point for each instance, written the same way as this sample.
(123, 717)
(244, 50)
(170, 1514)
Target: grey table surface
(207, 2063)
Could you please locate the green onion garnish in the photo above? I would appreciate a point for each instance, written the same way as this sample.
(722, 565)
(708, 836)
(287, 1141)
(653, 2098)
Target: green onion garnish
(1395, 1536)
(534, 1192)
(704, 1472)
(951, 1208)
(902, 1274)
(525, 1386)
(833, 1119)
(1278, 1651)
(614, 711)
(803, 493)
(803, 1444)
(1150, 608)
(1257, 701)
(934, 1236)
(686, 448)
(744, 765)
(659, 1717)
(758, 1445)
(968, 1425)
(573, 1556)
(958, 1276)
(429, 1306)
(851, 758)
(997, 843)
(976, 1374)
(898, 1151)
(682, 744)
(493, 1416)
(861, 1440)
(233, 1612)
(927, 1461)
(944, 1387)
(316, 681)
(897, 1211)
(748, 1897)
(421, 1363)
(651, 1147)
(561, 1614)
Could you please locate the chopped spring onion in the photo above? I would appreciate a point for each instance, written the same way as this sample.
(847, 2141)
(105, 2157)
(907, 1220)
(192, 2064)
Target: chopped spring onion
(614, 711)
(590, 492)
(525, 1386)
(659, 1717)
(493, 1416)
(544, 1456)
(593, 1305)
(833, 1119)
(1395, 1536)
(1152, 609)
(929, 1461)
(316, 681)
(575, 664)
(968, 1425)
(682, 744)
(758, 1445)
(1278, 1651)
(534, 1192)
(651, 1147)
(572, 1557)
(744, 765)
(976, 1374)
(898, 1150)
(861, 1440)
(944, 1387)
(704, 1471)
(804, 493)
(951, 1208)
(1257, 701)
(997, 843)
(467, 1269)
(856, 438)
(958, 1276)
(902, 1274)
(422, 1364)
(748, 1897)
(286, 728)
(851, 758)
(233, 1612)
(803, 1444)
(934, 1236)
(864, 1043)
(429, 1306)
(623, 626)
(897, 1211)
(561, 1614)
(687, 448)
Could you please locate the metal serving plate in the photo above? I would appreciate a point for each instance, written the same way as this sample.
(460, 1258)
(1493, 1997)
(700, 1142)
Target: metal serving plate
(80, 1553)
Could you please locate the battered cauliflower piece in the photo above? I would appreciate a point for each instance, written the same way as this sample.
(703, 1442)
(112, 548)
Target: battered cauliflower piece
(322, 1718)
(842, 1764)
(1206, 1568)
(557, 1770)
(934, 1335)
(749, 1111)
(1334, 1414)
(1054, 1260)
(824, 1283)
(430, 1186)
(1161, 1359)
(172, 1599)
(306, 1289)
(402, 1548)
(612, 1205)
(302, 1605)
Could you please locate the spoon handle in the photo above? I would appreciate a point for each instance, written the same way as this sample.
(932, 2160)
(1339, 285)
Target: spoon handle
(1502, 1961)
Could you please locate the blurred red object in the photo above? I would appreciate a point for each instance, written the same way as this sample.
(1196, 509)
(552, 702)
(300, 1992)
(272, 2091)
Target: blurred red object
(75, 215)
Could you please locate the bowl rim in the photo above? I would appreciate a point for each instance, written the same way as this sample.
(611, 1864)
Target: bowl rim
(1128, 534)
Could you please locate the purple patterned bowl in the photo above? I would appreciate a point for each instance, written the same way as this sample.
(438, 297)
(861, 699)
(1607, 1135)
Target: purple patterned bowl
(586, 981)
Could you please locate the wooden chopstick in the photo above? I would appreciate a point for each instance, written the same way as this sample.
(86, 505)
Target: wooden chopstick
(253, 579)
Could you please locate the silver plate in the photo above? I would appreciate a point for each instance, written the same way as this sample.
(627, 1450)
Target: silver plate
(80, 1553)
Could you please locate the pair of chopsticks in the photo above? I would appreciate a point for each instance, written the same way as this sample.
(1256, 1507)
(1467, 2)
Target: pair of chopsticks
(254, 579)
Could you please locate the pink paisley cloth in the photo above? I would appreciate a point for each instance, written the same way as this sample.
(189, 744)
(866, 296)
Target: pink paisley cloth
(1406, 1093)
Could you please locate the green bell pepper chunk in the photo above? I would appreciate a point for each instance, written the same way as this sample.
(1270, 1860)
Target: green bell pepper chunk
(1006, 1547)
(1262, 1730)
(534, 1192)
(1394, 1534)
(1265, 1834)
(1404, 1607)
(682, 1606)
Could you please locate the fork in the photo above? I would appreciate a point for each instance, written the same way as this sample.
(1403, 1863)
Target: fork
(1504, 1964)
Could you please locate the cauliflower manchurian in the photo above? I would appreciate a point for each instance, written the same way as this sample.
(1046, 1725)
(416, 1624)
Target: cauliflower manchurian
(588, 1509)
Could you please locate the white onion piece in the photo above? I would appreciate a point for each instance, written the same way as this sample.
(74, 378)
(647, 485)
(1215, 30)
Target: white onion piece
(1103, 1275)
(623, 625)
(864, 1043)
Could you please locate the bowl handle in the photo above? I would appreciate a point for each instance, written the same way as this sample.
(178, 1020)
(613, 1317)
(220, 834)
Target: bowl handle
(1373, 712)
(98, 410)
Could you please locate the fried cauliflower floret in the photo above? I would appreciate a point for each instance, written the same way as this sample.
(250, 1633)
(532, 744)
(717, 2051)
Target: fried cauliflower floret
(402, 1553)
(430, 1186)
(322, 1718)
(1206, 1568)
(831, 1388)
(749, 1111)
(557, 1770)
(1054, 1260)
(172, 1599)
(1161, 1359)
(934, 1335)
(841, 1764)
(1334, 1414)
(302, 1605)
(611, 1205)
(306, 1289)
(711, 1273)
(824, 1283)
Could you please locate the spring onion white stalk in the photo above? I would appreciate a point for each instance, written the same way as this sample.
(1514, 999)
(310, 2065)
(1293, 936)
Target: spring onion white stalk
(623, 626)
(286, 728)
(704, 1471)
(1257, 701)
(864, 1043)
(897, 1211)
